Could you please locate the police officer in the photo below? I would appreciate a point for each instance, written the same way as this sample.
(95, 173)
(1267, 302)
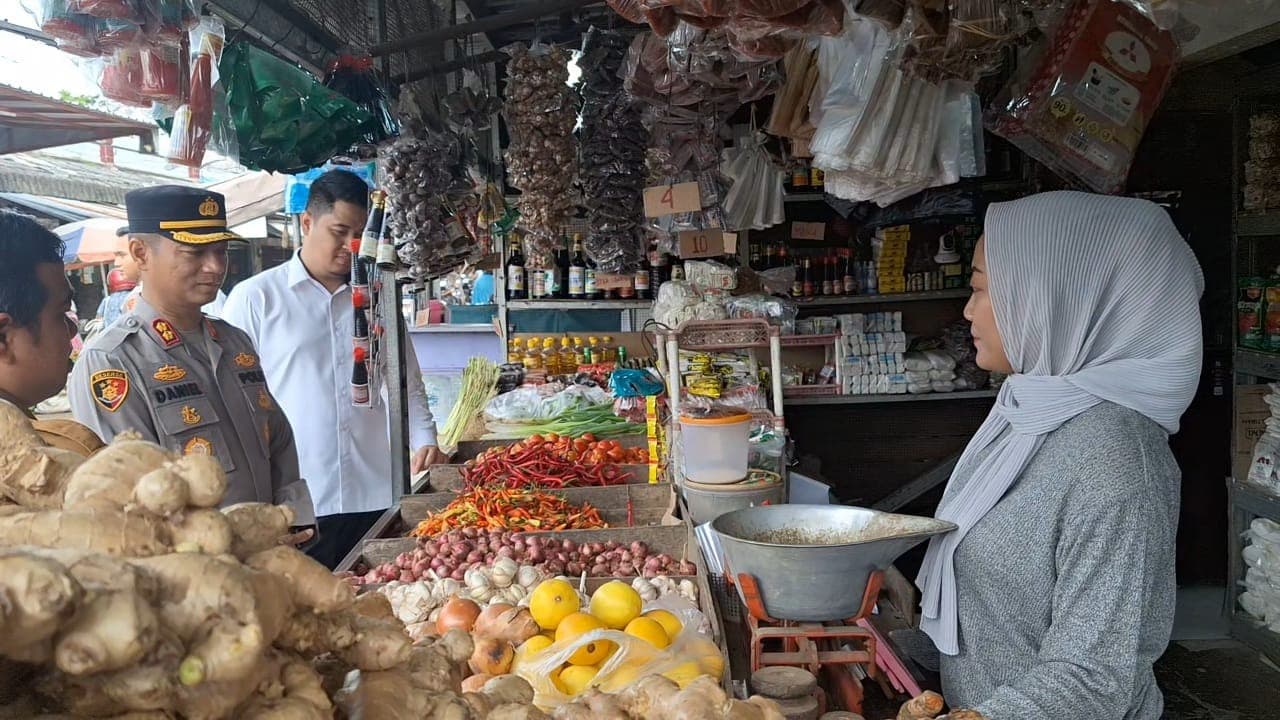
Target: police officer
(189, 382)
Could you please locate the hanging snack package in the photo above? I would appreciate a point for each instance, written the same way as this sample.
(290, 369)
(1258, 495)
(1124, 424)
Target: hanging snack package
(161, 70)
(107, 9)
(168, 21)
(74, 32)
(193, 121)
(1084, 109)
(121, 78)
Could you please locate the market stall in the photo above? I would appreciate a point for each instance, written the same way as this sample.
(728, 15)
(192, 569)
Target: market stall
(713, 232)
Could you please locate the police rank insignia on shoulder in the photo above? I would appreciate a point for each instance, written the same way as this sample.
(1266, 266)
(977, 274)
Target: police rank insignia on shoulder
(170, 373)
(245, 360)
(167, 334)
(264, 399)
(109, 388)
(198, 446)
(190, 416)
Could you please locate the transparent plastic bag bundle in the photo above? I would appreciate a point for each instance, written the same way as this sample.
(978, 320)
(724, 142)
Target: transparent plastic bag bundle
(690, 655)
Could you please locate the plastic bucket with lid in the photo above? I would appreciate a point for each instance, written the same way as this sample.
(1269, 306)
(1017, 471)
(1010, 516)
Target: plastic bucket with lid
(715, 447)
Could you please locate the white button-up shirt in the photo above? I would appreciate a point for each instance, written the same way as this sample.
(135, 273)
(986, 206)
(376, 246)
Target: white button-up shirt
(304, 338)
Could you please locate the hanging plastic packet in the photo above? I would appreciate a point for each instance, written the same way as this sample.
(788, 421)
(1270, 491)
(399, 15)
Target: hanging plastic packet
(193, 120)
(353, 77)
(1083, 108)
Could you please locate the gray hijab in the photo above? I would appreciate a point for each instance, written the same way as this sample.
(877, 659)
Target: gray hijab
(1097, 299)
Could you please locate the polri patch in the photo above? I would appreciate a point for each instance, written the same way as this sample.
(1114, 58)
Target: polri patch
(109, 388)
(168, 336)
(169, 373)
(198, 446)
(190, 416)
(245, 360)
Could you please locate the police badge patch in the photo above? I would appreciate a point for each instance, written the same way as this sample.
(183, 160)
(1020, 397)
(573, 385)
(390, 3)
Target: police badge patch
(109, 388)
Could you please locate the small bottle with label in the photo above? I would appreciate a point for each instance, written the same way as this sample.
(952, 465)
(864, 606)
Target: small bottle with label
(537, 284)
(642, 279)
(568, 358)
(361, 334)
(550, 356)
(359, 379)
(533, 355)
(577, 271)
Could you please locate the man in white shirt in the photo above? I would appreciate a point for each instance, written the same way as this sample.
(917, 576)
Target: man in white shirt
(300, 316)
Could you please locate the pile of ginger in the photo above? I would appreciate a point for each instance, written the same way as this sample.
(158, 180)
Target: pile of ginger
(125, 592)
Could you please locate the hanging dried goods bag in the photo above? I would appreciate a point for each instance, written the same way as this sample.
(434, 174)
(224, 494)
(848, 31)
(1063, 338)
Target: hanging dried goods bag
(1083, 110)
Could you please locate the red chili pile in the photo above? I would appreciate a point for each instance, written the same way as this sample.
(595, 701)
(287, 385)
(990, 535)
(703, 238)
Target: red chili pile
(551, 462)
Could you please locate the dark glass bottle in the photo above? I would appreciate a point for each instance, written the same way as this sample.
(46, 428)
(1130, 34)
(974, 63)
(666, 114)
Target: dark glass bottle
(561, 289)
(577, 282)
(657, 271)
(516, 288)
(806, 275)
(373, 227)
(359, 379)
(644, 289)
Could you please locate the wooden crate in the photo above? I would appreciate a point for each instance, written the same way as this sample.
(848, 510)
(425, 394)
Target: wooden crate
(448, 478)
(651, 505)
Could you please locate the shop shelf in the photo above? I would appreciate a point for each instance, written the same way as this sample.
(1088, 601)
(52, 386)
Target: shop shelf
(1258, 225)
(724, 335)
(1255, 500)
(807, 340)
(797, 197)
(809, 391)
(872, 399)
(579, 304)
(1257, 363)
(840, 300)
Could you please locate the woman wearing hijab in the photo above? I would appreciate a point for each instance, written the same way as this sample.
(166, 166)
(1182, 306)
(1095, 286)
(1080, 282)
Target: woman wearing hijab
(1055, 596)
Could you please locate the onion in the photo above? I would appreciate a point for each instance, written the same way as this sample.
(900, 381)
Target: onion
(574, 568)
(470, 532)
(611, 545)
(639, 548)
(457, 614)
(458, 574)
(555, 567)
(569, 545)
(475, 556)
(599, 570)
(517, 542)
(625, 556)
(506, 552)
(536, 556)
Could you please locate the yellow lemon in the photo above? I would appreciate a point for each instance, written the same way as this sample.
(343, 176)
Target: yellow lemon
(616, 604)
(684, 673)
(650, 631)
(667, 620)
(708, 656)
(534, 645)
(551, 602)
(576, 625)
(623, 677)
(555, 680)
(575, 678)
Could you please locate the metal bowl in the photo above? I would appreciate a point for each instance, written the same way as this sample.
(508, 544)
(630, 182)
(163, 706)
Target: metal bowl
(812, 562)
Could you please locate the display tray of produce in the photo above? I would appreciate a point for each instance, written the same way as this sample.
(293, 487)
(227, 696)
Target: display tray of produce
(449, 478)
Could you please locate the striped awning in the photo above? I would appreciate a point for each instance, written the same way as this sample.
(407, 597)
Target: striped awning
(30, 122)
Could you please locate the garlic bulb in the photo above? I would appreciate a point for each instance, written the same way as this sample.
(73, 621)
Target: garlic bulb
(519, 592)
(647, 591)
(689, 591)
(528, 576)
(482, 595)
(504, 572)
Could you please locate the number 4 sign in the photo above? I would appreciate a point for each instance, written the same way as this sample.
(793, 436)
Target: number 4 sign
(661, 200)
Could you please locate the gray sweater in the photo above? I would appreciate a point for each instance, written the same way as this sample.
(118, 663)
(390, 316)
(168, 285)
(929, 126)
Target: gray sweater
(1066, 588)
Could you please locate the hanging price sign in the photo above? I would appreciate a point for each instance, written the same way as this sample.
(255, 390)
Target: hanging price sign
(701, 244)
(808, 231)
(661, 200)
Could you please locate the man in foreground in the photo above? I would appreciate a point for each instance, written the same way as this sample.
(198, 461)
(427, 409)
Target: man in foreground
(188, 382)
(300, 317)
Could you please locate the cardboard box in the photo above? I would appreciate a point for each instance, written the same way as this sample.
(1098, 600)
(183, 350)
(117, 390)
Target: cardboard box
(1251, 413)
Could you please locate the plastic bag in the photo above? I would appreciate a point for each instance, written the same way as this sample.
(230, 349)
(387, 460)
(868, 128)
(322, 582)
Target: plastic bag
(122, 78)
(193, 121)
(531, 404)
(1085, 105)
(634, 658)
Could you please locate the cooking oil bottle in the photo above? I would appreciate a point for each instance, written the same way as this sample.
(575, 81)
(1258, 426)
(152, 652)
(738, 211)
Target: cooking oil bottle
(568, 359)
(550, 356)
(515, 353)
(607, 346)
(532, 355)
(593, 350)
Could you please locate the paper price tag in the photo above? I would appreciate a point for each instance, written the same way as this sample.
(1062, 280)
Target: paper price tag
(661, 200)
(730, 243)
(611, 281)
(701, 244)
(808, 230)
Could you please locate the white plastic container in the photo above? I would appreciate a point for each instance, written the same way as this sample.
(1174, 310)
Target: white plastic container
(715, 448)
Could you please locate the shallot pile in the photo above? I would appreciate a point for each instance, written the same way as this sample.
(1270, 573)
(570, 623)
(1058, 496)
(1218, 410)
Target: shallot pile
(453, 554)
(541, 111)
(614, 140)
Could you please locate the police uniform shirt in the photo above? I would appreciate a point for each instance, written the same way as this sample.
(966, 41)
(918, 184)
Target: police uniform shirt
(195, 392)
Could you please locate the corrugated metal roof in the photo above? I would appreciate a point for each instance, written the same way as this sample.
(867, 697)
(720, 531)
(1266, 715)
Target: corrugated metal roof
(58, 177)
(30, 122)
